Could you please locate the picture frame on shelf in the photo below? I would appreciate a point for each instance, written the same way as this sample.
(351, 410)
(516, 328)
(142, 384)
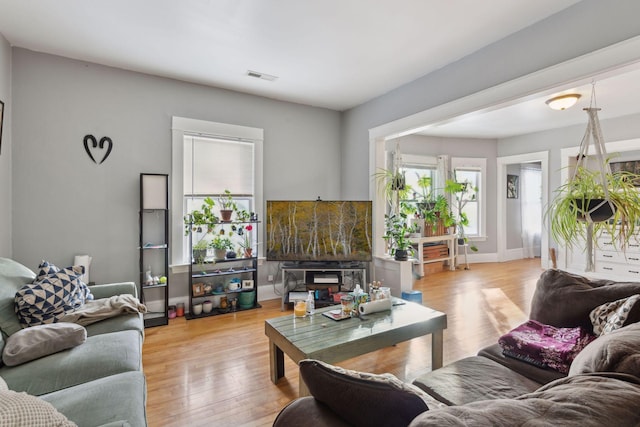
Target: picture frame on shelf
(197, 289)
(247, 284)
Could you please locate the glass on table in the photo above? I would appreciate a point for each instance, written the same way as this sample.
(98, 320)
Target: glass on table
(300, 308)
(346, 302)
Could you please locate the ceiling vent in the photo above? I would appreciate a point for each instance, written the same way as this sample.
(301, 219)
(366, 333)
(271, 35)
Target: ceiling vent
(263, 76)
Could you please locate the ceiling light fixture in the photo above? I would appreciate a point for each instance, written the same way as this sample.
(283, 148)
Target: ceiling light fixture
(259, 75)
(563, 102)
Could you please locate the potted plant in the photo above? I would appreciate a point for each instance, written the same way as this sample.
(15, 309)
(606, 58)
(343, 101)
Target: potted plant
(461, 193)
(583, 202)
(199, 251)
(397, 236)
(227, 206)
(220, 244)
(246, 243)
(244, 216)
(198, 220)
(393, 185)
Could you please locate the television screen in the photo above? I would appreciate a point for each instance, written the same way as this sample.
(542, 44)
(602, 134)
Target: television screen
(325, 231)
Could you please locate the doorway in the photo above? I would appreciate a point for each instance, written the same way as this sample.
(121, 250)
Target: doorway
(510, 219)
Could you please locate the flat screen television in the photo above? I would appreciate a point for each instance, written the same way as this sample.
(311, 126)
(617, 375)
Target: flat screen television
(318, 231)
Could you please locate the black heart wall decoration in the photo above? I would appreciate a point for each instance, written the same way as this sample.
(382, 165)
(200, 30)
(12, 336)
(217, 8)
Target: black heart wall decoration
(95, 145)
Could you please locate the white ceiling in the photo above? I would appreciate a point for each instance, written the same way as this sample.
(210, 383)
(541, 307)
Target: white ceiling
(328, 53)
(616, 94)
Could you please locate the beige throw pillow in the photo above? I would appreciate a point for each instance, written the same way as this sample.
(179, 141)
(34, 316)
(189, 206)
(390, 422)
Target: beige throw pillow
(39, 341)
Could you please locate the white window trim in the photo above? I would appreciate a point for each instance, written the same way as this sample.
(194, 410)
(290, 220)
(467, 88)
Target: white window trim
(182, 125)
(481, 164)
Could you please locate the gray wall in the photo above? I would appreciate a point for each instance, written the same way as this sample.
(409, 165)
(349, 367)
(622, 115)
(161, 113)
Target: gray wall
(575, 31)
(5, 153)
(66, 205)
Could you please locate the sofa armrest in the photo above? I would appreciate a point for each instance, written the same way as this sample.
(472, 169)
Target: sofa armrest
(308, 412)
(111, 289)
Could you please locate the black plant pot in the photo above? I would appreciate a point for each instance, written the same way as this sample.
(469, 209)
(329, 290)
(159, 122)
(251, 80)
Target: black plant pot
(401, 255)
(602, 213)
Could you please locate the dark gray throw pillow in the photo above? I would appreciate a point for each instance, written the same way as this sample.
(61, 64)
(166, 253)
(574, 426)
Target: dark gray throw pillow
(39, 341)
(618, 351)
(364, 399)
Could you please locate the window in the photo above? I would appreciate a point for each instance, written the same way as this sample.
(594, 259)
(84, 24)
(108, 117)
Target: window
(473, 172)
(209, 158)
(420, 174)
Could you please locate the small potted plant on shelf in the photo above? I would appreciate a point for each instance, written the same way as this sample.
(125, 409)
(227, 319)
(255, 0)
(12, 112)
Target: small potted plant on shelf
(246, 243)
(201, 220)
(227, 205)
(244, 216)
(397, 236)
(220, 244)
(199, 251)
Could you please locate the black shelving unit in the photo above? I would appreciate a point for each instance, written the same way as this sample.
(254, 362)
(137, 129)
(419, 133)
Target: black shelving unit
(215, 273)
(154, 246)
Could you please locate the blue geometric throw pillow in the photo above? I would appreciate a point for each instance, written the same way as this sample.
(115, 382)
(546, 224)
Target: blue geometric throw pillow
(46, 269)
(47, 300)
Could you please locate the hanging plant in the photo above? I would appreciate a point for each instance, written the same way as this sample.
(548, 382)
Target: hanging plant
(594, 199)
(584, 202)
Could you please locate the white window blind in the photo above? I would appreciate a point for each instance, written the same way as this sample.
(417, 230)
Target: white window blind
(213, 165)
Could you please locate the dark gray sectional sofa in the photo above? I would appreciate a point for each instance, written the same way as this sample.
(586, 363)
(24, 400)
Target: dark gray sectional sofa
(602, 386)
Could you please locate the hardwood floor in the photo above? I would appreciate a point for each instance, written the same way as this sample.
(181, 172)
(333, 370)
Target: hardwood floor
(215, 371)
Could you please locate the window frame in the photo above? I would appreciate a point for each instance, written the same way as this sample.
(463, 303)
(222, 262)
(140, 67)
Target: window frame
(181, 126)
(475, 164)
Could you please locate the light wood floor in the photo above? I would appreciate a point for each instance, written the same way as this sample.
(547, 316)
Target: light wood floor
(215, 371)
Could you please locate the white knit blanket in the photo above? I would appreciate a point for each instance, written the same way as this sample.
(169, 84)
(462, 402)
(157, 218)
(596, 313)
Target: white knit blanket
(21, 409)
(104, 308)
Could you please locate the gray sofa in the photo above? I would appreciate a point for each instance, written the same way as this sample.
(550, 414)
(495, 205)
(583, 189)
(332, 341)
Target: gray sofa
(602, 386)
(96, 383)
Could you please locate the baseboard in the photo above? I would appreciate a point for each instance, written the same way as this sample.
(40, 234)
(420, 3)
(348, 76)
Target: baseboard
(513, 254)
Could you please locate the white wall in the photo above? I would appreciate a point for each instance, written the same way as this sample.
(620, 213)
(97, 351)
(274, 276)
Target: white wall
(5, 150)
(66, 205)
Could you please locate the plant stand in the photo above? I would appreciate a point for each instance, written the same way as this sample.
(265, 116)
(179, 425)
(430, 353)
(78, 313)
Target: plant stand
(466, 261)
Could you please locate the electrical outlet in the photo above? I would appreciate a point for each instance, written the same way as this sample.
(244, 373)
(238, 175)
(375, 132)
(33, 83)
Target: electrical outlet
(270, 277)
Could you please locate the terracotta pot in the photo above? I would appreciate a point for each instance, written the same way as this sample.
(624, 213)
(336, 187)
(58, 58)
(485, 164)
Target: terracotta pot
(226, 214)
(248, 252)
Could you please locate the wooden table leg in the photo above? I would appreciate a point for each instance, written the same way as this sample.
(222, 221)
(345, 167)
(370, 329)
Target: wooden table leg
(436, 350)
(276, 362)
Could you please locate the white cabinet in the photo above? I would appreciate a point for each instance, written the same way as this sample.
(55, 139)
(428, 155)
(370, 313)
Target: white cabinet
(614, 259)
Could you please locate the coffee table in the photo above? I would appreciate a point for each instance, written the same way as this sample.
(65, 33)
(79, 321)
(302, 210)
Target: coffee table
(318, 337)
